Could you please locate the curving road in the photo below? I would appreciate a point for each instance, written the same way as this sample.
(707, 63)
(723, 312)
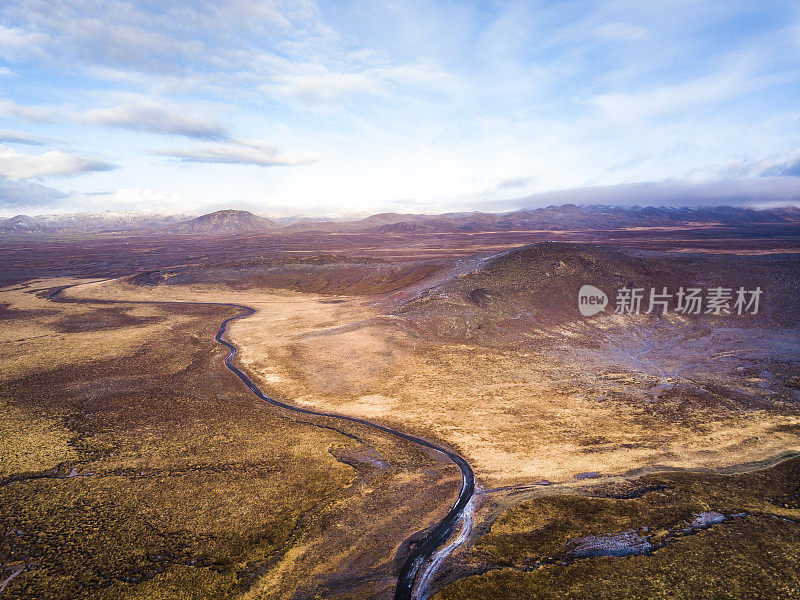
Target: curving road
(422, 551)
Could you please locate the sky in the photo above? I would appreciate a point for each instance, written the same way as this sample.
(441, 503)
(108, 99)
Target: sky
(345, 108)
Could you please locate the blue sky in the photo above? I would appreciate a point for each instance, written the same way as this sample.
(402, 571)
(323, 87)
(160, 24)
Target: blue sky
(337, 108)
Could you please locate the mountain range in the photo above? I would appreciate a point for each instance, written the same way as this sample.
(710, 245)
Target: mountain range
(566, 217)
(87, 222)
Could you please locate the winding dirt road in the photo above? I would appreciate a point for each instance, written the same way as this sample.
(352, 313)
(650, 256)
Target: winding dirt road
(425, 551)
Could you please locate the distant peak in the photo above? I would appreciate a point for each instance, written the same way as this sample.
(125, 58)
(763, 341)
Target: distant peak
(224, 221)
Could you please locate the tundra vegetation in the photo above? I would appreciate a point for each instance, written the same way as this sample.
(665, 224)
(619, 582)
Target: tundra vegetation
(632, 456)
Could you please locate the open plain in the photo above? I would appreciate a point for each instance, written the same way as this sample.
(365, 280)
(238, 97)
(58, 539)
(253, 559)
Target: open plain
(627, 449)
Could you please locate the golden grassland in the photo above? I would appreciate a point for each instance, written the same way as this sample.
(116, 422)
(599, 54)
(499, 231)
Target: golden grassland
(747, 546)
(632, 400)
(134, 465)
(620, 406)
(516, 414)
(45, 331)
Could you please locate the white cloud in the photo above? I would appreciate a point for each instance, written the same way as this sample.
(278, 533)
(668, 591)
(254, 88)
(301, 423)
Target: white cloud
(143, 36)
(253, 46)
(139, 199)
(667, 99)
(33, 114)
(143, 115)
(315, 83)
(509, 183)
(786, 168)
(730, 77)
(53, 163)
(153, 117)
(242, 152)
(18, 194)
(9, 136)
(750, 192)
(318, 85)
(18, 43)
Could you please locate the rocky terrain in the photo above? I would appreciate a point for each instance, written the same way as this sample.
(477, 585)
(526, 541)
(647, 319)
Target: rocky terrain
(506, 298)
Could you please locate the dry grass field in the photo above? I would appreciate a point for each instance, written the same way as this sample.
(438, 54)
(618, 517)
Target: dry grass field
(624, 394)
(135, 465)
(662, 536)
(577, 430)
